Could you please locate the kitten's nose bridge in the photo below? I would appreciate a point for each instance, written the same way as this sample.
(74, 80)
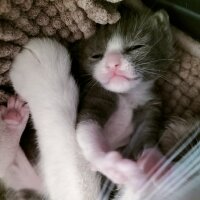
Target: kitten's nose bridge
(113, 60)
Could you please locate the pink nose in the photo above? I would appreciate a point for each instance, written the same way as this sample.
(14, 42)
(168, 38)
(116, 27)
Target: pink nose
(113, 61)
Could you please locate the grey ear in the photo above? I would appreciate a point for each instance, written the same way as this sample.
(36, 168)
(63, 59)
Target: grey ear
(161, 18)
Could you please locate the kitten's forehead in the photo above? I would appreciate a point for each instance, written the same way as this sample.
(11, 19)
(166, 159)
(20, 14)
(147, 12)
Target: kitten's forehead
(115, 44)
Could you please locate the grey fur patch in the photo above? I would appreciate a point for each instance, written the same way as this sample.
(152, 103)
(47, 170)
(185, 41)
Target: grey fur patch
(7, 193)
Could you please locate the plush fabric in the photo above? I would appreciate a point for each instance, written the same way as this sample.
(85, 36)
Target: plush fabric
(62, 19)
(180, 88)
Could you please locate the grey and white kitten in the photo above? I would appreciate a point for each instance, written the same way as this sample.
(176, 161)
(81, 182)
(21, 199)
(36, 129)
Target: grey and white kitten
(117, 70)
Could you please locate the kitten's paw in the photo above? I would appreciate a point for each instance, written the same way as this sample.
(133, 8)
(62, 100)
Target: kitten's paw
(120, 170)
(15, 115)
(151, 160)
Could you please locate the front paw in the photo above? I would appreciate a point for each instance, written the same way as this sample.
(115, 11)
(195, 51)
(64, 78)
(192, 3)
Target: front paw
(151, 161)
(119, 170)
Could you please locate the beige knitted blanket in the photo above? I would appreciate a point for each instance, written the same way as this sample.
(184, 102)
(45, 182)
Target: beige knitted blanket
(71, 20)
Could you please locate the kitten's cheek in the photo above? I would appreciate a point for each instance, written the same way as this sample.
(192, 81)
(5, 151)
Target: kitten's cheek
(103, 78)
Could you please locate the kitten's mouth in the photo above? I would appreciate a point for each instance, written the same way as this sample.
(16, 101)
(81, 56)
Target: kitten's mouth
(121, 77)
(118, 82)
(120, 74)
(118, 78)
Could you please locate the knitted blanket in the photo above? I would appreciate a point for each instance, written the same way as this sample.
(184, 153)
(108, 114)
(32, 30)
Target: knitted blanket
(71, 20)
(62, 19)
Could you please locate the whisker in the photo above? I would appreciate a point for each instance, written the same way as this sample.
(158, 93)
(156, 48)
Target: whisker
(149, 50)
(153, 73)
(153, 61)
(142, 23)
(91, 85)
(85, 75)
(148, 71)
(156, 70)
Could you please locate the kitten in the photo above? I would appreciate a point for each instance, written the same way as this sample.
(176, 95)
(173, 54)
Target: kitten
(118, 68)
(41, 76)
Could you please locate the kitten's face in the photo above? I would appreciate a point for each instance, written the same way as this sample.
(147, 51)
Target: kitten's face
(114, 69)
(123, 55)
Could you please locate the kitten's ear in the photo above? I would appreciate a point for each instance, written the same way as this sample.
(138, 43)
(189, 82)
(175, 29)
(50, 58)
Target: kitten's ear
(161, 25)
(161, 19)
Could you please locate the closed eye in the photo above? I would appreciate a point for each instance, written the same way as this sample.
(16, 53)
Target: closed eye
(96, 56)
(134, 47)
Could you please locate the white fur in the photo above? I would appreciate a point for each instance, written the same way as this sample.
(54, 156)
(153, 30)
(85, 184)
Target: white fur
(115, 44)
(91, 140)
(120, 125)
(41, 75)
(140, 95)
(21, 175)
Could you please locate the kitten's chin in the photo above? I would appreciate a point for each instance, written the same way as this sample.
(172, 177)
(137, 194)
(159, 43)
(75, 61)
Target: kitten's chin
(118, 85)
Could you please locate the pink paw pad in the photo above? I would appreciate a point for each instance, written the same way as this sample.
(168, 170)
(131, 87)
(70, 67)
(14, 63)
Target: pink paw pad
(16, 112)
(12, 117)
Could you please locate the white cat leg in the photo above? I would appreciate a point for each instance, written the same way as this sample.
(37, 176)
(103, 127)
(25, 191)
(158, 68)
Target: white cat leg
(41, 75)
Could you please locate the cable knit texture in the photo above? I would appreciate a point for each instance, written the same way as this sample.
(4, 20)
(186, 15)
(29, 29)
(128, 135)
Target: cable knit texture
(63, 19)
